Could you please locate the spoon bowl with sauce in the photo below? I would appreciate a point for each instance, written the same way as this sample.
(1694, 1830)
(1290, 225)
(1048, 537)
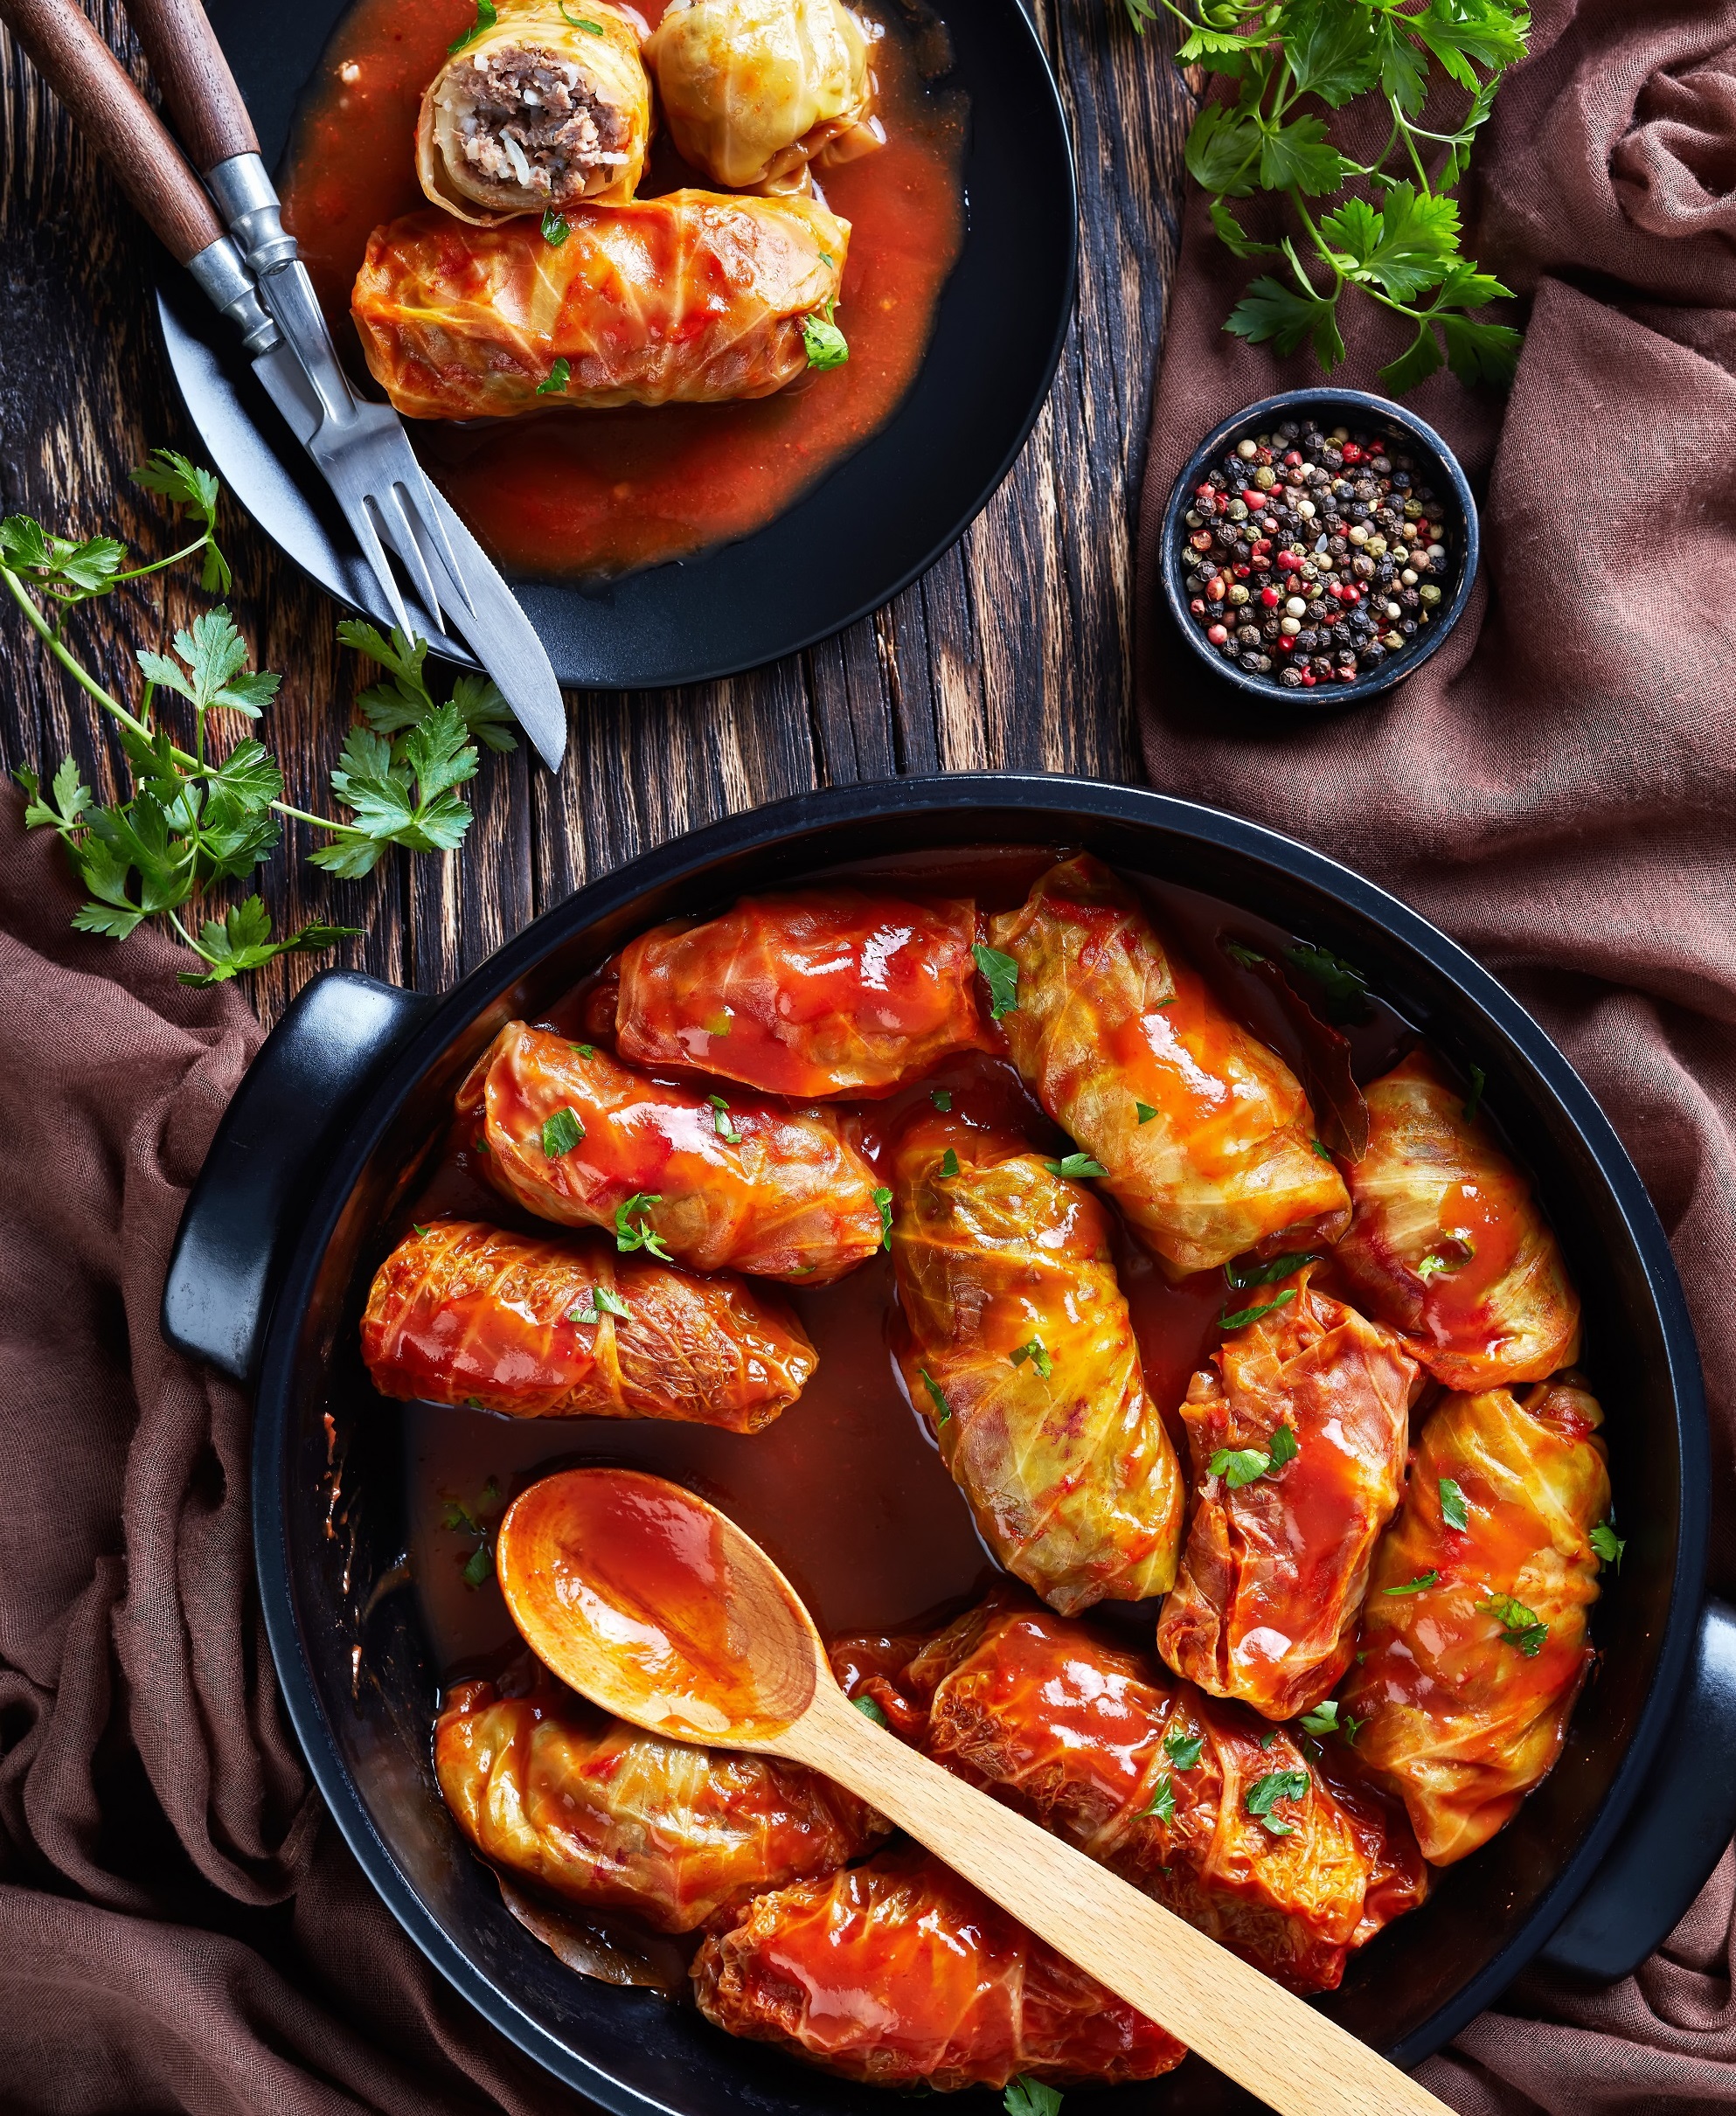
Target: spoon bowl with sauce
(657, 1608)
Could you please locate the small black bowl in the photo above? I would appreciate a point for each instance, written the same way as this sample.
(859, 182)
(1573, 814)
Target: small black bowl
(1330, 408)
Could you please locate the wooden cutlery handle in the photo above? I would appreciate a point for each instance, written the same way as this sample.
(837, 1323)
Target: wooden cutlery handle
(106, 105)
(198, 90)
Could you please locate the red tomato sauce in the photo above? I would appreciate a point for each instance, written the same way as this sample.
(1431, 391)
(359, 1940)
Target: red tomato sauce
(575, 493)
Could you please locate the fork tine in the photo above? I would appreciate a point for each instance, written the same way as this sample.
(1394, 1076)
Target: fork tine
(361, 521)
(395, 526)
(426, 517)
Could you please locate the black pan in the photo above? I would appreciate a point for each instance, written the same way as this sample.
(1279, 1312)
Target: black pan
(874, 523)
(280, 1234)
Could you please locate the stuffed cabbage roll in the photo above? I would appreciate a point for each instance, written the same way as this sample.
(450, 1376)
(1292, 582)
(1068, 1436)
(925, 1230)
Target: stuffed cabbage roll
(1209, 1142)
(754, 90)
(1474, 1637)
(540, 109)
(1446, 1242)
(618, 1820)
(1016, 1345)
(716, 1185)
(1306, 1413)
(1212, 1812)
(897, 1972)
(685, 299)
(820, 992)
(462, 1312)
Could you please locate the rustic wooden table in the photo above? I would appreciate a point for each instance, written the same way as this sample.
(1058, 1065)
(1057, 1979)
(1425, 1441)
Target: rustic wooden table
(1013, 652)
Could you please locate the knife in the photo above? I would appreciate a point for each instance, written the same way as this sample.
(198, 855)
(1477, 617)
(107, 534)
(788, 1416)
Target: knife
(360, 447)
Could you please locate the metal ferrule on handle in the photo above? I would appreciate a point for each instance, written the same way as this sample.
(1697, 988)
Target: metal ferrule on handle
(252, 212)
(221, 272)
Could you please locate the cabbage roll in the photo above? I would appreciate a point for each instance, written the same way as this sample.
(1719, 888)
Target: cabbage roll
(685, 299)
(1281, 1535)
(821, 992)
(1016, 1345)
(755, 90)
(1209, 1810)
(549, 1788)
(898, 1972)
(1446, 1242)
(544, 108)
(1473, 1638)
(462, 1312)
(1209, 1142)
(714, 1183)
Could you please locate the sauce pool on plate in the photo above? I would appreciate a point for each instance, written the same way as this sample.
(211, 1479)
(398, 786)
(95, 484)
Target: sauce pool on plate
(577, 494)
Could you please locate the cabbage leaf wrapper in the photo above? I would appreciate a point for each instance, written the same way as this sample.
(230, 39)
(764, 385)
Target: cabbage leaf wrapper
(547, 106)
(897, 1972)
(818, 993)
(755, 91)
(1275, 1568)
(1447, 1244)
(1018, 1346)
(1474, 1644)
(617, 1820)
(1207, 1137)
(687, 299)
(464, 1313)
(572, 1137)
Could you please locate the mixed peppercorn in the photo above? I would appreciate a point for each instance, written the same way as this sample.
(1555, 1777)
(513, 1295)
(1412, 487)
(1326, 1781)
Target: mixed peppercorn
(1312, 556)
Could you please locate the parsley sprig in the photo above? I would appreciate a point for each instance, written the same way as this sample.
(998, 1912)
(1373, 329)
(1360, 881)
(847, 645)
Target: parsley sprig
(1400, 247)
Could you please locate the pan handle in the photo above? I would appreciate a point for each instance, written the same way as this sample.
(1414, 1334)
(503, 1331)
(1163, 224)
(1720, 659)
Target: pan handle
(242, 1215)
(1675, 1831)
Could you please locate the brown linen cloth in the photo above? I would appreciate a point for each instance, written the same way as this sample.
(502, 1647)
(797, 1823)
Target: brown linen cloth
(181, 1926)
(1557, 787)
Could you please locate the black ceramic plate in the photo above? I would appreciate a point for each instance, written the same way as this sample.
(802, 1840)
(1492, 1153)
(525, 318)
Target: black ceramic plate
(874, 523)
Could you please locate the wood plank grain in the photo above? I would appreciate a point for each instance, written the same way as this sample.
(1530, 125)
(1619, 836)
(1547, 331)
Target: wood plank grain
(1013, 652)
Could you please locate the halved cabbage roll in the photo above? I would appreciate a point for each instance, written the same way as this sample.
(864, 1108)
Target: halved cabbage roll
(1276, 1560)
(834, 991)
(1209, 1142)
(1016, 1344)
(545, 107)
(755, 90)
(463, 1313)
(574, 1137)
(897, 1972)
(618, 1820)
(685, 299)
(1473, 1639)
(1446, 1242)
(1215, 1815)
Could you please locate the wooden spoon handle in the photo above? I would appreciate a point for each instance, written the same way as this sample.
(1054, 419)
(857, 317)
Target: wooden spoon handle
(1268, 2041)
(198, 90)
(106, 105)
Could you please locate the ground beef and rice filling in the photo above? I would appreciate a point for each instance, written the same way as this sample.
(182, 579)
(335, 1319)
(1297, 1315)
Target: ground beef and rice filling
(531, 120)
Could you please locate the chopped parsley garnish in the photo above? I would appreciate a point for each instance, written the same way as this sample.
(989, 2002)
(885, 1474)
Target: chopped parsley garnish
(1416, 1586)
(826, 344)
(1519, 1625)
(1028, 2096)
(580, 22)
(883, 1199)
(1242, 1466)
(1479, 1081)
(556, 228)
(561, 1133)
(1320, 1149)
(1264, 1795)
(869, 1709)
(721, 1122)
(487, 15)
(1246, 956)
(598, 1302)
(1285, 1447)
(1241, 1277)
(942, 1408)
(479, 1566)
(1243, 1315)
(941, 1097)
(1076, 1164)
(1454, 1507)
(1163, 1800)
(585, 1050)
(1001, 973)
(1328, 1717)
(1038, 1358)
(415, 1228)
(1343, 984)
(1144, 1112)
(950, 1163)
(628, 1236)
(1184, 1750)
(559, 375)
(1431, 1264)
(1607, 1544)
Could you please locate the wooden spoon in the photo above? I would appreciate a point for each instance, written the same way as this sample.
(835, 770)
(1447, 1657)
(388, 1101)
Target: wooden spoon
(660, 1609)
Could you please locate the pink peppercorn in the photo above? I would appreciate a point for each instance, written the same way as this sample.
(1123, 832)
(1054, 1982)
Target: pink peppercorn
(1216, 634)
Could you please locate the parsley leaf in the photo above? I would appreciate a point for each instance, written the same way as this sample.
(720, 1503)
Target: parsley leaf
(1299, 156)
(629, 1236)
(1184, 1750)
(1028, 2096)
(1416, 1586)
(941, 1097)
(948, 1163)
(1474, 1101)
(479, 1567)
(556, 229)
(555, 382)
(1344, 987)
(869, 1709)
(1519, 1625)
(1239, 1276)
(1266, 1793)
(241, 940)
(1272, 312)
(1076, 1164)
(1038, 1358)
(1285, 1447)
(487, 15)
(191, 487)
(598, 1302)
(561, 1133)
(1323, 1719)
(216, 673)
(1163, 1802)
(1607, 1544)
(942, 1409)
(1239, 1466)
(1001, 973)
(1144, 1112)
(1242, 1316)
(721, 1121)
(1454, 1507)
(883, 1201)
(824, 344)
